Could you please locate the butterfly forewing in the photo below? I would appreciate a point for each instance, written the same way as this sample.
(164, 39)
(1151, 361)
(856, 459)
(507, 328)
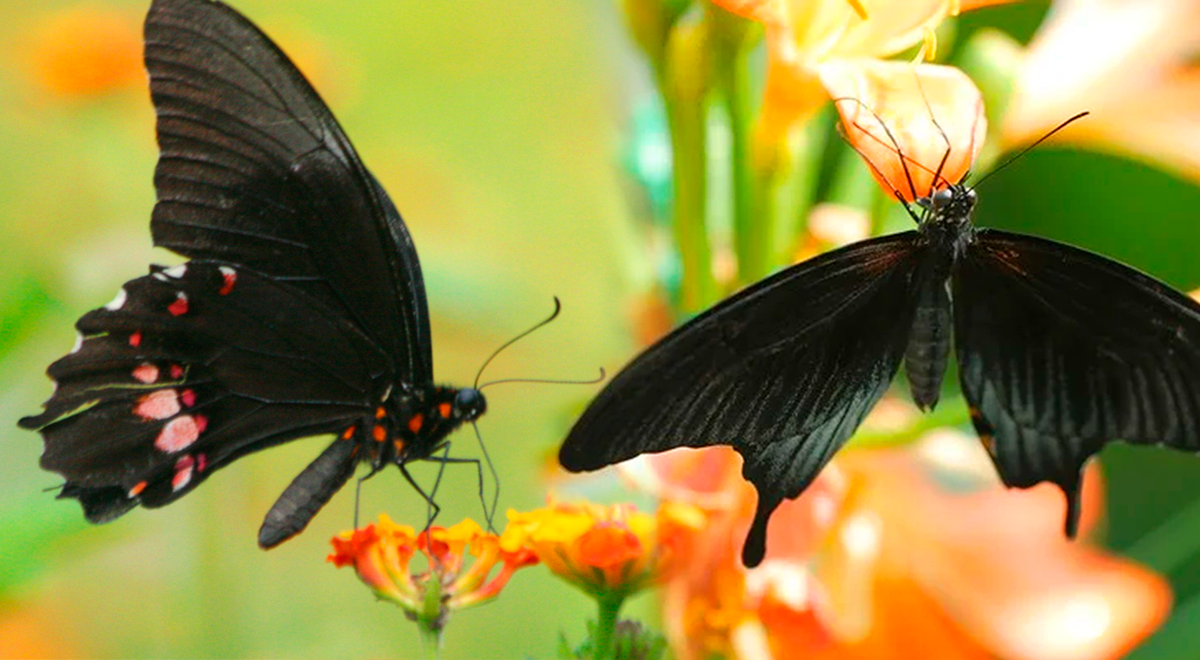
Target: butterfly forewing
(1061, 350)
(783, 371)
(255, 171)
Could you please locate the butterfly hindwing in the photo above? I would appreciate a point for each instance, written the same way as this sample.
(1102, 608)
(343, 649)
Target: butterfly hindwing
(783, 371)
(1061, 351)
(255, 170)
(187, 369)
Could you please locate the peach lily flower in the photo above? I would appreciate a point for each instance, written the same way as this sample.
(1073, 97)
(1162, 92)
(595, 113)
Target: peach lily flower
(1131, 63)
(806, 37)
(381, 554)
(897, 553)
(86, 51)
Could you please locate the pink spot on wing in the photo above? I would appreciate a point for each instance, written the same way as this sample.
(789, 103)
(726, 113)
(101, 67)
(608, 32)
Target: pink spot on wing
(179, 433)
(176, 372)
(201, 462)
(230, 276)
(158, 405)
(201, 423)
(135, 339)
(146, 373)
(188, 397)
(180, 306)
(183, 472)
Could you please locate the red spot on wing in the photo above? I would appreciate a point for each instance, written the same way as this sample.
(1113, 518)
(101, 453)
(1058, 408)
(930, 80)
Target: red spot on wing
(135, 339)
(176, 372)
(229, 275)
(349, 433)
(444, 410)
(183, 472)
(201, 462)
(379, 433)
(188, 398)
(416, 422)
(380, 413)
(180, 306)
(137, 489)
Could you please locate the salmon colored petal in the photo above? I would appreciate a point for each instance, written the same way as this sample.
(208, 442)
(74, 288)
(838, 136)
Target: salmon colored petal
(607, 545)
(996, 562)
(912, 102)
(1160, 126)
(1090, 55)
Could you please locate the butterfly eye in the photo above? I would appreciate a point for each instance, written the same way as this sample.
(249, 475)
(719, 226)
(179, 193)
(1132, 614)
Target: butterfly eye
(469, 403)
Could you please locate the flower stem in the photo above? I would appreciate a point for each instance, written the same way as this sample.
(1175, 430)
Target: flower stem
(685, 87)
(606, 625)
(752, 230)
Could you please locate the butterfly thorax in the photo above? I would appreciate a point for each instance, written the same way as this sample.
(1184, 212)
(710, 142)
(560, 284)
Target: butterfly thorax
(946, 226)
(413, 422)
(946, 221)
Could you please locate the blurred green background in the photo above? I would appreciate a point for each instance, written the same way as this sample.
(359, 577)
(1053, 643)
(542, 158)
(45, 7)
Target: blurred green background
(496, 127)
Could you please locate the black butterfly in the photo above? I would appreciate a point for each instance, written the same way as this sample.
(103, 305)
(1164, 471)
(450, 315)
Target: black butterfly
(302, 310)
(1059, 351)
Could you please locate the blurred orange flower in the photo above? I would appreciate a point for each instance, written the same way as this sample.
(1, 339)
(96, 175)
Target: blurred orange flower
(87, 50)
(900, 553)
(381, 555)
(1131, 63)
(807, 37)
(610, 552)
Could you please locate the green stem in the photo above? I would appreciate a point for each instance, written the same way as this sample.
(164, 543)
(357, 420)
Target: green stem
(752, 231)
(606, 625)
(690, 204)
(687, 78)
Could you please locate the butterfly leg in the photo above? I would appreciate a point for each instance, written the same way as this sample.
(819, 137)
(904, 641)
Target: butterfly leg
(358, 490)
(433, 507)
(488, 513)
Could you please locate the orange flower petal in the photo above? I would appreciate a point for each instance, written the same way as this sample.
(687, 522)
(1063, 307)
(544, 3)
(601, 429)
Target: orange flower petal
(607, 545)
(88, 50)
(934, 115)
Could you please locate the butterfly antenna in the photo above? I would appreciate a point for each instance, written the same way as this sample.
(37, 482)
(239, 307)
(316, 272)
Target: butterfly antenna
(879, 175)
(937, 174)
(510, 342)
(912, 188)
(1040, 140)
(549, 381)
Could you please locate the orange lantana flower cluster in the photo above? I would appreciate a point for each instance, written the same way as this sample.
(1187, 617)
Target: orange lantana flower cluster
(381, 554)
(608, 550)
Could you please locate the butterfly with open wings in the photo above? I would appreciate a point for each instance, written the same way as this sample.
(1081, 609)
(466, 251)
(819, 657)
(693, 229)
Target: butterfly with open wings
(1059, 352)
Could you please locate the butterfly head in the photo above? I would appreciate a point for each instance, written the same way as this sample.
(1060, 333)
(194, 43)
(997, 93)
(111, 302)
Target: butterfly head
(953, 204)
(469, 404)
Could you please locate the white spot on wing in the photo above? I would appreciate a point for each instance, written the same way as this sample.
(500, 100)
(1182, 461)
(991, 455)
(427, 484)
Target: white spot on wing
(117, 302)
(160, 404)
(179, 433)
(78, 343)
(176, 271)
(146, 373)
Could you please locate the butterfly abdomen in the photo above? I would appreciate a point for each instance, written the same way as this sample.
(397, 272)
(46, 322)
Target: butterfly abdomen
(929, 340)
